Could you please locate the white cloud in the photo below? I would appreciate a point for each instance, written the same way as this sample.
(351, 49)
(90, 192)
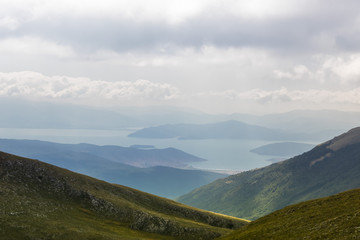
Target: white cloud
(260, 101)
(263, 9)
(9, 23)
(283, 95)
(341, 69)
(34, 85)
(34, 46)
(176, 56)
(171, 11)
(137, 59)
(347, 68)
(299, 72)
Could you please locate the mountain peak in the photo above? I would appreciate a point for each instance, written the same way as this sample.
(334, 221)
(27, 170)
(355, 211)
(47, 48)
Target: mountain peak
(349, 138)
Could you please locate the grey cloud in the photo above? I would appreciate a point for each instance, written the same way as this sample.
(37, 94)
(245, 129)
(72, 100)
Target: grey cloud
(332, 19)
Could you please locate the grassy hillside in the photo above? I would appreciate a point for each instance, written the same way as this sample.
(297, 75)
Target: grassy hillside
(41, 201)
(335, 217)
(329, 168)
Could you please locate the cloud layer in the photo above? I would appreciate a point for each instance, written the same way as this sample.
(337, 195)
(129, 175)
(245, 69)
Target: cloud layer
(283, 95)
(283, 54)
(322, 25)
(34, 85)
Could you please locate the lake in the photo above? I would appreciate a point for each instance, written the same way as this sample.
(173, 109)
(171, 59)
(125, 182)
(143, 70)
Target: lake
(221, 154)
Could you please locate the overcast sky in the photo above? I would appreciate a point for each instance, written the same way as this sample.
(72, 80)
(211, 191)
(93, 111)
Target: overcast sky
(213, 55)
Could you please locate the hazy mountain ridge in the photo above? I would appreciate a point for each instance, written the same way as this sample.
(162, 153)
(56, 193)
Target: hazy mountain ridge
(71, 116)
(100, 162)
(320, 172)
(170, 157)
(285, 149)
(43, 201)
(324, 123)
(334, 217)
(221, 130)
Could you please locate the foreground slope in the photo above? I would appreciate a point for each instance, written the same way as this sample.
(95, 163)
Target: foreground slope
(329, 168)
(41, 201)
(335, 217)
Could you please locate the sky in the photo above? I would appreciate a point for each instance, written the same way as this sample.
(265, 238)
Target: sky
(216, 56)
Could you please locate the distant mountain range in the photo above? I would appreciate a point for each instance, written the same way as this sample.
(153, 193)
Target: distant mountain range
(327, 169)
(41, 201)
(335, 217)
(222, 130)
(111, 163)
(283, 149)
(322, 123)
(137, 157)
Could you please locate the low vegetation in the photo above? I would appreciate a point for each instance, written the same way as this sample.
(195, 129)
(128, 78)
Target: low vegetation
(41, 201)
(335, 217)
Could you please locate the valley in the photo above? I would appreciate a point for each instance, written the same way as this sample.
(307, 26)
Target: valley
(47, 196)
(179, 120)
(44, 201)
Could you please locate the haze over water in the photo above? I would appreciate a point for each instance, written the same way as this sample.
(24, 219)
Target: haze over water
(221, 154)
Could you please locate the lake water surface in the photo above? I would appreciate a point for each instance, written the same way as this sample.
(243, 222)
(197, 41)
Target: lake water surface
(220, 153)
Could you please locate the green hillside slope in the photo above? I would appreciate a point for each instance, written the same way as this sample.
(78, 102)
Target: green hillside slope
(329, 168)
(335, 217)
(41, 201)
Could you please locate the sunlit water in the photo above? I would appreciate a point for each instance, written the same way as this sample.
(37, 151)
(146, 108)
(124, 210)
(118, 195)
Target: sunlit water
(219, 153)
